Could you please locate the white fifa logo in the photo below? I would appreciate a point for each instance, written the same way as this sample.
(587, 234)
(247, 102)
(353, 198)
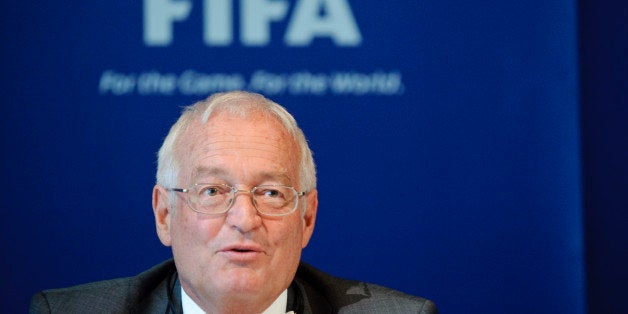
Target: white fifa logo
(256, 16)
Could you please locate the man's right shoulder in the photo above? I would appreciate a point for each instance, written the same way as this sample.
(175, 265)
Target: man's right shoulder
(147, 290)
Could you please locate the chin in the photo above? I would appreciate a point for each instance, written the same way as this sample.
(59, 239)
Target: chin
(243, 280)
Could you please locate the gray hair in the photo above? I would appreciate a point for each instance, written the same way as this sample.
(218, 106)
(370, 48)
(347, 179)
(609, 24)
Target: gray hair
(239, 103)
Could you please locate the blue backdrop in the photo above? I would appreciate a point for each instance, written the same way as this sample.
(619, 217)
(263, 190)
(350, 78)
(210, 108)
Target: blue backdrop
(446, 136)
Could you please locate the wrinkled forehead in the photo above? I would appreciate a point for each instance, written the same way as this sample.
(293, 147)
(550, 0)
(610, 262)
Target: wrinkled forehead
(255, 136)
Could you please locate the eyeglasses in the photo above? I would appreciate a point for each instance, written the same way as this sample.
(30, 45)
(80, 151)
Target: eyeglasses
(269, 200)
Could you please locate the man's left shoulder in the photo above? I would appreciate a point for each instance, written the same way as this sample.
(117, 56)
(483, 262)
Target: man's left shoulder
(349, 296)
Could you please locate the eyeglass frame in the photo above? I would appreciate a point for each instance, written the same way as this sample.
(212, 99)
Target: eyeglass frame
(235, 192)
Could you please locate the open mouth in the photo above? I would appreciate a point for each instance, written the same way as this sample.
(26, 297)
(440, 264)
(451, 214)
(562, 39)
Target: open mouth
(242, 250)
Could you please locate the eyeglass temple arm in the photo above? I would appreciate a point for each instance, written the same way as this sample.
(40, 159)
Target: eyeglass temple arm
(177, 190)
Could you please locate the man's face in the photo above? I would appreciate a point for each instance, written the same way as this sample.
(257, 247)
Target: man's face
(239, 256)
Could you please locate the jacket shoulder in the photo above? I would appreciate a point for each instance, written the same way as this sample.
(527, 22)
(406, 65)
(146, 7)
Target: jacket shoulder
(350, 296)
(120, 295)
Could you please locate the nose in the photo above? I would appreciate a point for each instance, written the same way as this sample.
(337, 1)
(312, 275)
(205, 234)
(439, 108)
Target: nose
(242, 214)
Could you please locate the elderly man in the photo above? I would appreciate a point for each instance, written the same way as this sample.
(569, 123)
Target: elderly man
(236, 200)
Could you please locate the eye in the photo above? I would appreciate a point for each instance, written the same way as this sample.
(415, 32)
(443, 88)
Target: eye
(268, 193)
(209, 191)
(271, 193)
(275, 193)
(212, 190)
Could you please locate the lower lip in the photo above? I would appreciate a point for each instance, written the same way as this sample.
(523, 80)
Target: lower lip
(241, 256)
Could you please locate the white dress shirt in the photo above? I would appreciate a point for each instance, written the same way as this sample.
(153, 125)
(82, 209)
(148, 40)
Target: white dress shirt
(278, 307)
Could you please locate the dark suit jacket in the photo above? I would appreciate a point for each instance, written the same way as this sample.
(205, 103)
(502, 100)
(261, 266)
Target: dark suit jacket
(158, 291)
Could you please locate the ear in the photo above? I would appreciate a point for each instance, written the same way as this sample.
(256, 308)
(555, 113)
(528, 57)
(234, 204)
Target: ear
(163, 214)
(309, 218)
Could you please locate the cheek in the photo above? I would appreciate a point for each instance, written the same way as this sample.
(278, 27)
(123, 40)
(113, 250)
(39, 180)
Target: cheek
(189, 230)
(287, 235)
(181, 238)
